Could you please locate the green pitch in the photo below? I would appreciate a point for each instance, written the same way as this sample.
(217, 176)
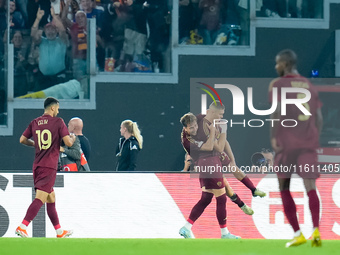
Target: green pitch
(75, 246)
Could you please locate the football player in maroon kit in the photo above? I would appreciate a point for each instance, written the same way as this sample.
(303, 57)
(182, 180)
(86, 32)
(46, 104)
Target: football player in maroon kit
(295, 147)
(216, 112)
(202, 152)
(47, 132)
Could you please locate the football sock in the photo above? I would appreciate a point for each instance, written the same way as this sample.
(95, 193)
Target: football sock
(236, 199)
(290, 209)
(224, 231)
(188, 225)
(314, 206)
(59, 231)
(198, 209)
(23, 226)
(53, 215)
(221, 211)
(32, 211)
(248, 183)
(297, 233)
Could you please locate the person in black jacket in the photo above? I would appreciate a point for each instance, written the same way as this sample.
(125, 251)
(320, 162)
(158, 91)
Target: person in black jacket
(129, 146)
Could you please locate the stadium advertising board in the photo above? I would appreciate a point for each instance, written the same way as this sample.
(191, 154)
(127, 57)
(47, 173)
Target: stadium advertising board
(111, 205)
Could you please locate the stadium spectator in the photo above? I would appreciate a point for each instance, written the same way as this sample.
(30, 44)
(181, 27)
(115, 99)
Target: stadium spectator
(296, 146)
(16, 18)
(98, 5)
(32, 8)
(243, 9)
(280, 8)
(75, 126)
(22, 7)
(52, 51)
(115, 18)
(88, 7)
(33, 65)
(188, 19)
(202, 152)
(158, 19)
(78, 32)
(129, 146)
(135, 34)
(70, 10)
(45, 163)
(3, 17)
(20, 65)
(213, 14)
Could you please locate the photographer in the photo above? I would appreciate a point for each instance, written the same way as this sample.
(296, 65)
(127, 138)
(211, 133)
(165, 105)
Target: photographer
(188, 164)
(262, 161)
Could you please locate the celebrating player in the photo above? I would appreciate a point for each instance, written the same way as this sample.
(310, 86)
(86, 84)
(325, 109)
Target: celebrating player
(216, 112)
(202, 152)
(47, 131)
(296, 146)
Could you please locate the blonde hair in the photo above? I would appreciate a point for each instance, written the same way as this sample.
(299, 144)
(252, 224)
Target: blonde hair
(133, 129)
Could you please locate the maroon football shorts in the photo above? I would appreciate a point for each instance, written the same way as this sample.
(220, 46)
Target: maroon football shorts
(300, 161)
(44, 178)
(211, 175)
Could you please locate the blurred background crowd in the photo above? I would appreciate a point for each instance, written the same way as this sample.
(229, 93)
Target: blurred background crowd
(50, 36)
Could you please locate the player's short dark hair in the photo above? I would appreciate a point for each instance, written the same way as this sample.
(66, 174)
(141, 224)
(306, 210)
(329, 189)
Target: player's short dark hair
(265, 150)
(217, 106)
(187, 119)
(50, 101)
(288, 56)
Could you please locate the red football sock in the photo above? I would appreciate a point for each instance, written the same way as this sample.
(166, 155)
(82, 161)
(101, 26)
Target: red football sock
(53, 215)
(236, 199)
(221, 211)
(290, 209)
(314, 206)
(32, 211)
(248, 183)
(198, 209)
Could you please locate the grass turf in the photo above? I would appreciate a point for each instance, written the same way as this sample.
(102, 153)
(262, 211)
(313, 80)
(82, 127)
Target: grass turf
(75, 246)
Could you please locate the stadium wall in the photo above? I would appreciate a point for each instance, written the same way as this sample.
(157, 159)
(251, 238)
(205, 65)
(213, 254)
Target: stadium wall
(158, 107)
(148, 205)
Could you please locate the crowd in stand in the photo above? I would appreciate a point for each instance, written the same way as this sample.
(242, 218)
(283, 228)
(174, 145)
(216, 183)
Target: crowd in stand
(226, 22)
(50, 38)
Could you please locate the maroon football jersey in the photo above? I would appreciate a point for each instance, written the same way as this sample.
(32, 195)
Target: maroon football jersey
(47, 133)
(191, 145)
(203, 134)
(305, 135)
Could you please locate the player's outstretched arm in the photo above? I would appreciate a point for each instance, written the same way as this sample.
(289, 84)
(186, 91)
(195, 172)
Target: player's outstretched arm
(28, 142)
